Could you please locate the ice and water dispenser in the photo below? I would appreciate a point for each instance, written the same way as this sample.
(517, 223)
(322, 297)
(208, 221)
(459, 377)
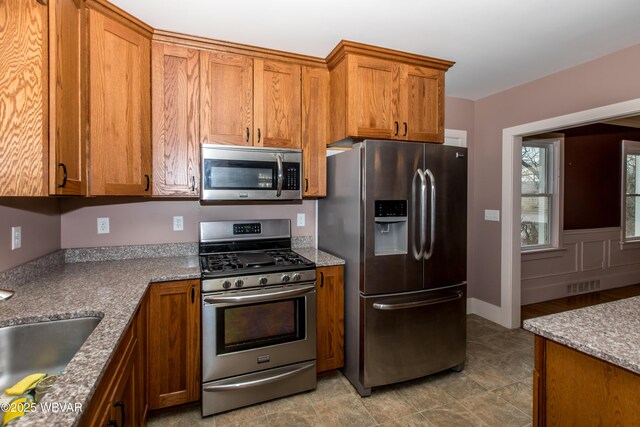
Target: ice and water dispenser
(391, 227)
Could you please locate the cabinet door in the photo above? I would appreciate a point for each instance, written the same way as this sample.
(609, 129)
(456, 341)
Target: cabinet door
(120, 116)
(226, 98)
(373, 98)
(277, 104)
(125, 400)
(315, 130)
(142, 335)
(174, 343)
(330, 326)
(175, 77)
(423, 96)
(23, 98)
(67, 156)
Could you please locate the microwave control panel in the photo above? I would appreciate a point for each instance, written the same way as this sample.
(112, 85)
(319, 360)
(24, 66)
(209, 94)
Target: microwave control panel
(291, 176)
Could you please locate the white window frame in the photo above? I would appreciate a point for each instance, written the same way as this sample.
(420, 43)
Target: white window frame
(555, 175)
(629, 147)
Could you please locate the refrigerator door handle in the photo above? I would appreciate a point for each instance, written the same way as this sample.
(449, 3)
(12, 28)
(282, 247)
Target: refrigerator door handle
(423, 213)
(418, 303)
(432, 225)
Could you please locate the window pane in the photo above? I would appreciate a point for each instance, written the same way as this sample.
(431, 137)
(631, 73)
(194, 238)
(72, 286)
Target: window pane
(535, 162)
(632, 219)
(632, 173)
(535, 225)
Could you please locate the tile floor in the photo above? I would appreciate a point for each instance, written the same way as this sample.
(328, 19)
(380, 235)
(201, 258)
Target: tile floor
(494, 389)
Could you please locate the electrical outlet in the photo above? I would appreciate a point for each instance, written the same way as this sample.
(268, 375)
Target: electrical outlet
(16, 238)
(103, 226)
(301, 220)
(178, 223)
(491, 215)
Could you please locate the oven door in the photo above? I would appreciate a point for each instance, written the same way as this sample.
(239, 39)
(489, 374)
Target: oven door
(252, 173)
(253, 330)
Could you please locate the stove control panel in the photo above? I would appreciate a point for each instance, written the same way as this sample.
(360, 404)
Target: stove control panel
(254, 281)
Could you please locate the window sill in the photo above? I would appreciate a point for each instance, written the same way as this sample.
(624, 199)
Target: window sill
(632, 244)
(531, 254)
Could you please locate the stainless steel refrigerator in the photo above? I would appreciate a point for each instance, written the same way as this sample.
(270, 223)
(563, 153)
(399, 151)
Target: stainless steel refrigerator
(396, 212)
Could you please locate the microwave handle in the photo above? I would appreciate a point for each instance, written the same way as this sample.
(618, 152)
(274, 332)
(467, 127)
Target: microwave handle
(280, 175)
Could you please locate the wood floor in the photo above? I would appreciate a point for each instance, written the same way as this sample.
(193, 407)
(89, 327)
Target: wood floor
(578, 301)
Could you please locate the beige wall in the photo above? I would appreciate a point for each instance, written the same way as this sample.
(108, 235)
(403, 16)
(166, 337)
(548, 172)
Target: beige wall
(610, 79)
(136, 222)
(40, 222)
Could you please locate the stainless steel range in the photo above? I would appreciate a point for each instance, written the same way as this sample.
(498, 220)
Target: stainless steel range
(258, 314)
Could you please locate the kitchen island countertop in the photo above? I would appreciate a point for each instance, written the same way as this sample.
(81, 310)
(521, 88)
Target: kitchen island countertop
(610, 331)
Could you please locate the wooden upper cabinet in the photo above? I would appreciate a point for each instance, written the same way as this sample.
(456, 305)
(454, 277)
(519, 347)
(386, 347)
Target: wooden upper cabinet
(386, 94)
(315, 131)
(67, 167)
(120, 113)
(23, 97)
(226, 98)
(423, 107)
(175, 119)
(276, 104)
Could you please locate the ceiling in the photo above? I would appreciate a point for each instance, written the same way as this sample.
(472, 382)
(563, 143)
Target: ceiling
(496, 44)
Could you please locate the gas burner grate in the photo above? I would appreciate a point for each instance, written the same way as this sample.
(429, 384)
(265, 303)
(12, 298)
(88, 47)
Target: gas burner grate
(223, 262)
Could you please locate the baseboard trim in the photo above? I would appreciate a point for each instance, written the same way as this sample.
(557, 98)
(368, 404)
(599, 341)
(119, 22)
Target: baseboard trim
(484, 309)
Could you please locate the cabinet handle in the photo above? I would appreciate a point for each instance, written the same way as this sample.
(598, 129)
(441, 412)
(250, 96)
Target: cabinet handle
(43, 2)
(321, 279)
(247, 134)
(112, 423)
(306, 185)
(146, 188)
(406, 128)
(64, 174)
(258, 135)
(121, 406)
(193, 294)
(193, 183)
(397, 127)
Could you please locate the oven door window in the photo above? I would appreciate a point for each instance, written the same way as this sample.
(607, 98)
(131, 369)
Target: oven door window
(239, 175)
(260, 325)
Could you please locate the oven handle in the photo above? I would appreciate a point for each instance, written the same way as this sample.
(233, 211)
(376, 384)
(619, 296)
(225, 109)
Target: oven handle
(261, 381)
(259, 297)
(280, 174)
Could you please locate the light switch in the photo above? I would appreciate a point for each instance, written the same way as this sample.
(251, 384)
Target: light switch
(491, 215)
(16, 238)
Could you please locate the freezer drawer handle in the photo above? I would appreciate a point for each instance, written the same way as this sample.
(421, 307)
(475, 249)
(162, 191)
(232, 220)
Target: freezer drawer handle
(261, 381)
(422, 303)
(260, 297)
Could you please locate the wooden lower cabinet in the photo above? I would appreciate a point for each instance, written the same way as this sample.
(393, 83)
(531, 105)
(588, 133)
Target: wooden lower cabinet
(330, 318)
(573, 388)
(174, 343)
(120, 399)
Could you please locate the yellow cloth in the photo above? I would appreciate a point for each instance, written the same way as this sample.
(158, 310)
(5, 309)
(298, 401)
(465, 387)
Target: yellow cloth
(24, 384)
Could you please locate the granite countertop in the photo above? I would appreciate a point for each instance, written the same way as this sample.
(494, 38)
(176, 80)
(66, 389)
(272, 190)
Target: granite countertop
(111, 290)
(320, 258)
(609, 331)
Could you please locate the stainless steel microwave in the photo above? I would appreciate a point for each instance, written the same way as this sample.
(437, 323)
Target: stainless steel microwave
(250, 173)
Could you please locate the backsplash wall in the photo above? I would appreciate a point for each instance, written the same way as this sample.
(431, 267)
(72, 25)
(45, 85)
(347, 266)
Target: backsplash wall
(134, 222)
(40, 222)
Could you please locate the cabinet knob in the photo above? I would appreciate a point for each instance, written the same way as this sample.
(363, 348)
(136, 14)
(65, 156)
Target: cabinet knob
(321, 279)
(122, 411)
(397, 128)
(258, 135)
(247, 134)
(406, 128)
(43, 2)
(306, 185)
(64, 174)
(148, 179)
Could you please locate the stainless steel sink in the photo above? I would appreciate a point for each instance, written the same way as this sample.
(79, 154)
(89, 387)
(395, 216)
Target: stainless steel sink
(45, 347)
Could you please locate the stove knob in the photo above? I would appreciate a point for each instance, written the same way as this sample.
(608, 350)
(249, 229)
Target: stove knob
(285, 278)
(296, 277)
(239, 283)
(263, 280)
(226, 284)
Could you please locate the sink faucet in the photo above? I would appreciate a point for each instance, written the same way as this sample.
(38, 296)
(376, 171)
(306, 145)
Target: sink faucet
(5, 294)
